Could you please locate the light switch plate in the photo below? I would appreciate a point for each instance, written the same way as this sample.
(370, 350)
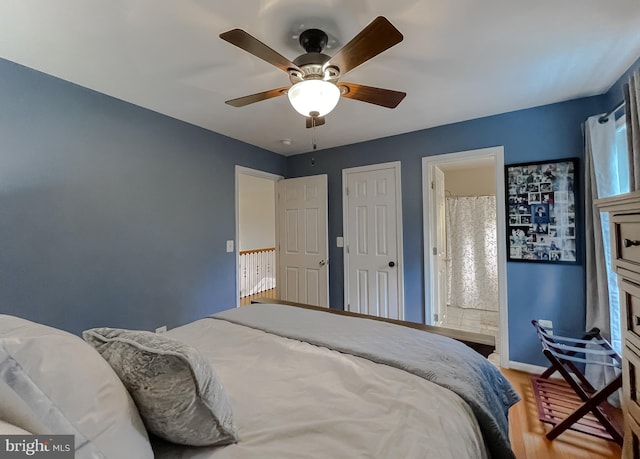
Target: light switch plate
(340, 241)
(230, 246)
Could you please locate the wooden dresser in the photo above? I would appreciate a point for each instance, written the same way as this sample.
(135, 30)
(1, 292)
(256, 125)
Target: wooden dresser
(624, 215)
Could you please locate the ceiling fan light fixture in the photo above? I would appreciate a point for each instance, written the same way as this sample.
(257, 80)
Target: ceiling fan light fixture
(309, 96)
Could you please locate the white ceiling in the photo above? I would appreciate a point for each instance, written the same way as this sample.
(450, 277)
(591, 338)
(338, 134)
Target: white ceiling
(460, 59)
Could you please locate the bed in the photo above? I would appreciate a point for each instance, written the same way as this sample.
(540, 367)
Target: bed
(287, 382)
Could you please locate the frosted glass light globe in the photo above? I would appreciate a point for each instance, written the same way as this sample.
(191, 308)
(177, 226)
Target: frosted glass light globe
(314, 96)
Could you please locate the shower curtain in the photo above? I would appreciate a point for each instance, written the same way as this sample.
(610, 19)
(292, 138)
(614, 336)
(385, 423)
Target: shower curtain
(472, 252)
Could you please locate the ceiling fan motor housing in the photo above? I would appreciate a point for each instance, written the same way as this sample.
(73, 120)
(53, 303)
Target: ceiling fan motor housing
(312, 62)
(312, 66)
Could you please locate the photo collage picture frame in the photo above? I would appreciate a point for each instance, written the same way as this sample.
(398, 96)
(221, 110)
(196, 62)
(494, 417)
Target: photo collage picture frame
(541, 206)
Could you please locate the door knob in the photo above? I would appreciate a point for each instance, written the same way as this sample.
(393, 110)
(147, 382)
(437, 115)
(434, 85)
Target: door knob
(322, 262)
(391, 264)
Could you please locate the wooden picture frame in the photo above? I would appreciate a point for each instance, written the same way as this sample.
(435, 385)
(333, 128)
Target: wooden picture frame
(541, 211)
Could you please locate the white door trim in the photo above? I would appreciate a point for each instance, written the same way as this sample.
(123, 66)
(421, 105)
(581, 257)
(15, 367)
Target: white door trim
(497, 153)
(241, 170)
(396, 166)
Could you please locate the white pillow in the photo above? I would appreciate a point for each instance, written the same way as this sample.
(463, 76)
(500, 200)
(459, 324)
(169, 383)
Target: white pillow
(60, 385)
(7, 428)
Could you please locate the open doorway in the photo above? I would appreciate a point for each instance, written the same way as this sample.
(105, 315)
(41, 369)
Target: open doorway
(465, 259)
(255, 234)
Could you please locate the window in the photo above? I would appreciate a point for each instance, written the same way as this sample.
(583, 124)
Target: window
(621, 155)
(620, 185)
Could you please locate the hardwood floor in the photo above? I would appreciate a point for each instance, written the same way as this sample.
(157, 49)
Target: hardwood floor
(528, 433)
(266, 294)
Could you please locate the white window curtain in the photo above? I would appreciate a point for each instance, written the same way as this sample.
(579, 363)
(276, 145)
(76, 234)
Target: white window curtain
(632, 113)
(472, 252)
(602, 179)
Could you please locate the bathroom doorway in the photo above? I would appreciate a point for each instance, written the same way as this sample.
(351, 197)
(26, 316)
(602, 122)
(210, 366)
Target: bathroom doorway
(465, 259)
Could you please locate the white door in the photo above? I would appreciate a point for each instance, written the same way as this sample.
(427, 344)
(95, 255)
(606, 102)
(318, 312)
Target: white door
(303, 272)
(439, 246)
(373, 246)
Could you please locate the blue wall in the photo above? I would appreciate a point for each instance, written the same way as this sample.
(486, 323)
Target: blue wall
(549, 291)
(111, 214)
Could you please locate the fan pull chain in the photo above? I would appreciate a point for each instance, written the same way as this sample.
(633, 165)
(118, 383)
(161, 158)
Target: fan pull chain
(313, 135)
(314, 117)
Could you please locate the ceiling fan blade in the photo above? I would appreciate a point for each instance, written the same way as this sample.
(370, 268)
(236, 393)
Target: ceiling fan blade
(246, 100)
(319, 121)
(378, 96)
(243, 40)
(375, 38)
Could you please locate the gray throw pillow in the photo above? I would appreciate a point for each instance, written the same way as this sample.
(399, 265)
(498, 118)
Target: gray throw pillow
(176, 390)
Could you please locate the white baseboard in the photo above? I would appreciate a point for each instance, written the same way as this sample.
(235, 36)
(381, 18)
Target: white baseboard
(526, 367)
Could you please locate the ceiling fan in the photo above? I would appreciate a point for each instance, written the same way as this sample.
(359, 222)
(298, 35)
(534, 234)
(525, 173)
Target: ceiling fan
(316, 88)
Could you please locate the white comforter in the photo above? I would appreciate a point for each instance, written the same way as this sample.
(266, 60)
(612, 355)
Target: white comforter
(296, 400)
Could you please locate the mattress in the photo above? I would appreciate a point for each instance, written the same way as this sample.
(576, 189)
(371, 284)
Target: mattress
(292, 399)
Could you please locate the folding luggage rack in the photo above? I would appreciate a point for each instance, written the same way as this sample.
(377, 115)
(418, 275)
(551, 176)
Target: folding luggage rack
(573, 403)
